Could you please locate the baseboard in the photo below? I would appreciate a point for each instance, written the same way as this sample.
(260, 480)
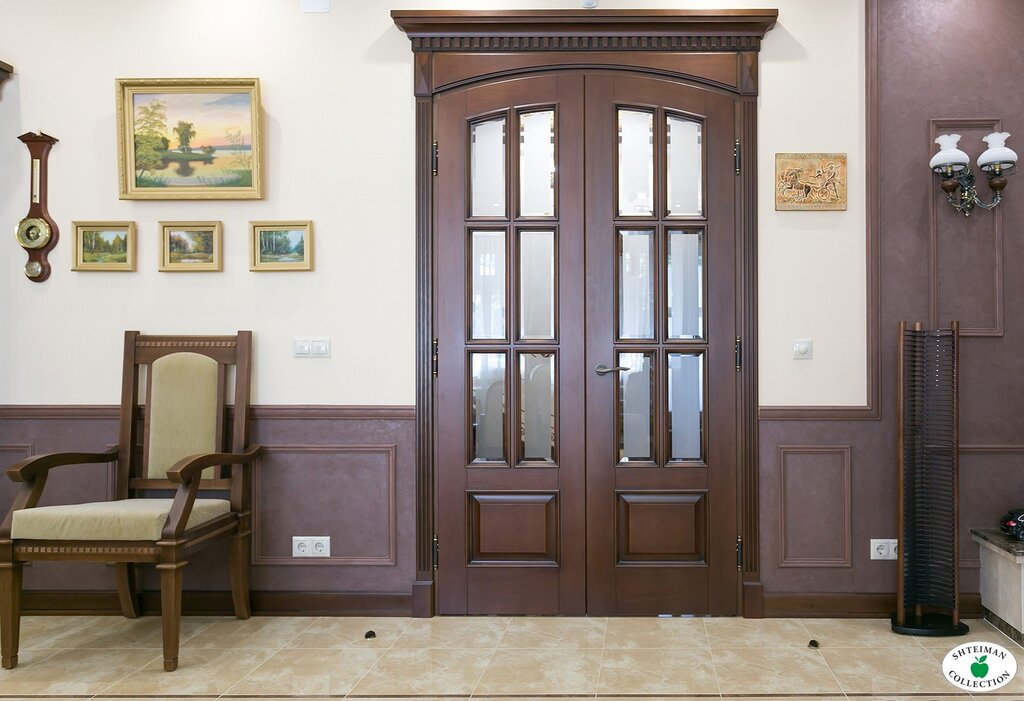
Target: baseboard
(423, 598)
(753, 600)
(857, 605)
(218, 603)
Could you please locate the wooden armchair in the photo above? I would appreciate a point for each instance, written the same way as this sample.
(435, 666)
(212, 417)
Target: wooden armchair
(182, 449)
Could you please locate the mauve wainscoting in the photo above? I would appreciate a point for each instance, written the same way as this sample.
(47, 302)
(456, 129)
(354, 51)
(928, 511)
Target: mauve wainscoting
(346, 472)
(931, 265)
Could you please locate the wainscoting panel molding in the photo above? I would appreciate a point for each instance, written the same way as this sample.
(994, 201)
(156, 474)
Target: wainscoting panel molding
(811, 476)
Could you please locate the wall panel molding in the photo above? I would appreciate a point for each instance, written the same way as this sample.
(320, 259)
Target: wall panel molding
(259, 411)
(845, 518)
(391, 518)
(939, 212)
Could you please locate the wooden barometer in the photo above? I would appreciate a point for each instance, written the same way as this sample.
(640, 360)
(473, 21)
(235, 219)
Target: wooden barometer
(37, 233)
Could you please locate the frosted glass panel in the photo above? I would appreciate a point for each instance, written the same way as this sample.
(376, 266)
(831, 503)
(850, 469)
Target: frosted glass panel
(636, 284)
(536, 285)
(487, 168)
(685, 173)
(537, 406)
(488, 290)
(635, 407)
(685, 284)
(686, 406)
(636, 163)
(487, 412)
(537, 164)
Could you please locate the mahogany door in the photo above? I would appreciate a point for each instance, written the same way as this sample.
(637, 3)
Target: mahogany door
(584, 300)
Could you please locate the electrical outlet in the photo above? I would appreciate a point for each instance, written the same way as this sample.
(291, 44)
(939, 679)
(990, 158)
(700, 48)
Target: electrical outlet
(301, 547)
(311, 546)
(321, 546)
(884, 549)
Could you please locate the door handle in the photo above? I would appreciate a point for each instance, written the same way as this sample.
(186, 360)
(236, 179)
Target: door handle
(603, 369)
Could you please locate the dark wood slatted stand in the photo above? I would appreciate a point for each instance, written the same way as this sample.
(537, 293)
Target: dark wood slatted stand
(928, 583)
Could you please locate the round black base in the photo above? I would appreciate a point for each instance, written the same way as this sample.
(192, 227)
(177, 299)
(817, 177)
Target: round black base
(934, 625)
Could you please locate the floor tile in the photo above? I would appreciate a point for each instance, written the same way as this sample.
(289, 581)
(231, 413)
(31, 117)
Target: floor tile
(554, 633)
(146, 632)
(303, 672)
(856, 632)
(201, 672)
(773, 671)
(424, 671)
(892, 671)
(651, 671)
(57, 632)
(351, 632)
(541, 672)
(76, 672)
(980, 631)
(453, 632)
(656, 633)
(761, 632)
(257, 632)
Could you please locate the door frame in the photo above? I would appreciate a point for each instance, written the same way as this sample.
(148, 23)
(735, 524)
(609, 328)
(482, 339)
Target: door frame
(715, 49)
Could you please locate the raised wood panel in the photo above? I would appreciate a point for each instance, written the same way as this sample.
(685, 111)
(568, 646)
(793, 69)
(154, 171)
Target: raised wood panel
(666, 527)
(359, 512)
(965, 253)
(815, 514)
(513, 527)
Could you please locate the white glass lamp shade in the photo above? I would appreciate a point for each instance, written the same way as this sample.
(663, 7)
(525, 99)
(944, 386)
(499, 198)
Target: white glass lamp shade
(949, 156)
(998, 155)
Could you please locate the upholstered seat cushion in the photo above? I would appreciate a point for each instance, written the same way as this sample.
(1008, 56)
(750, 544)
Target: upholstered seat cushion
(127, 519)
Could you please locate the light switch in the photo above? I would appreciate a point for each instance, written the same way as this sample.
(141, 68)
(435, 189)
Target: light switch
(316, 5)
(320, 347)
(803, 349)
(301, 347)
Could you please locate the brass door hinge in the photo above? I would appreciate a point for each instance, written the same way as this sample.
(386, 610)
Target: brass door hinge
(739, 353)
(433, 158)
(739, 552)
(736, 157)
(435, 551)
(433, 357)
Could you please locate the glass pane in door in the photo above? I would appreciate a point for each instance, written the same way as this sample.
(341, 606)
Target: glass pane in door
(636, 163)
(686, 406)
(536, 285)
(537, 406)
(685, 169)
(487, 262)
(487, 168)
(636, 408)
(636, 284)
(537, 164)
(685, 284)
(487, 407)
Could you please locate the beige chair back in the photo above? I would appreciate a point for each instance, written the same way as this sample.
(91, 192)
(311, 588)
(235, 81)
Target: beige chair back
(182, 411)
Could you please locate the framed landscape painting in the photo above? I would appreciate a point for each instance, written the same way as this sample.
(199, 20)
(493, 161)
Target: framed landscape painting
(104, 246)
(190, 246)
(281, 245)
(189, 139)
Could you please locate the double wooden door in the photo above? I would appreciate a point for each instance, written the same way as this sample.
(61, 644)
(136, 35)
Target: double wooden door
(585, 360)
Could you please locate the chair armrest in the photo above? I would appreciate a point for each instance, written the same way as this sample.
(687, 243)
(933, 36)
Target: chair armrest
(188, 468)
(31, 468)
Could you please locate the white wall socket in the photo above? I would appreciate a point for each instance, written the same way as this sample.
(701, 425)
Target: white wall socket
(311, 546)
(884, 549)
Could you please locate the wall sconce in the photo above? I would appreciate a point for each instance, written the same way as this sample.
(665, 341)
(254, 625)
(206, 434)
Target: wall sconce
(954, 167)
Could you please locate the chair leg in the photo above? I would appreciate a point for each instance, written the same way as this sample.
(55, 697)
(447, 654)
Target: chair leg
(171, 575)
(10, 612)
(240, 575)
(126, 591)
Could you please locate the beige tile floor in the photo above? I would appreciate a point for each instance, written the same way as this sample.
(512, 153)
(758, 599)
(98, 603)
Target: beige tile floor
(461, 658)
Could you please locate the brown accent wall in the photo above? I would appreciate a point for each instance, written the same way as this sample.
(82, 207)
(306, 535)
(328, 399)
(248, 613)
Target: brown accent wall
(936, 72)
(346, 472)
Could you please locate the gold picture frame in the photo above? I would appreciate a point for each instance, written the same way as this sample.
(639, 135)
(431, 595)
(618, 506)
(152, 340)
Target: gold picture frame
(280, 245)
(191, 246)
(189, 139)
(103, 246)
(811, 181)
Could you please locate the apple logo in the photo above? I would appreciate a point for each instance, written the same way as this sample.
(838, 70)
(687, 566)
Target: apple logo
(978, 668)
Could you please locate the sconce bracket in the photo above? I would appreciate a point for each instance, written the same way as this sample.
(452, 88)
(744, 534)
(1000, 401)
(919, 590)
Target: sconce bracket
(962, 193)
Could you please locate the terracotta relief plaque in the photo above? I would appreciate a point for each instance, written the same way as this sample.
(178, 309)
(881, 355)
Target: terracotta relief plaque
(810, 181)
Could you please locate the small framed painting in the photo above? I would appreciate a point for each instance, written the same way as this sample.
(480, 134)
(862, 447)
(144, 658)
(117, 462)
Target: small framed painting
(189, 139)
(280, 245)
(190, 246)
(104, 246)
(810, 181)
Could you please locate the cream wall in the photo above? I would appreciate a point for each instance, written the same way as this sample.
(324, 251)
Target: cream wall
(337, 98)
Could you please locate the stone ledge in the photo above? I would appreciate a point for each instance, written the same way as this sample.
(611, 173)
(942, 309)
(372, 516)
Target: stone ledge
(995, 539)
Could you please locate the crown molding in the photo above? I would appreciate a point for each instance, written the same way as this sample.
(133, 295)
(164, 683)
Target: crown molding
(588, 30)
